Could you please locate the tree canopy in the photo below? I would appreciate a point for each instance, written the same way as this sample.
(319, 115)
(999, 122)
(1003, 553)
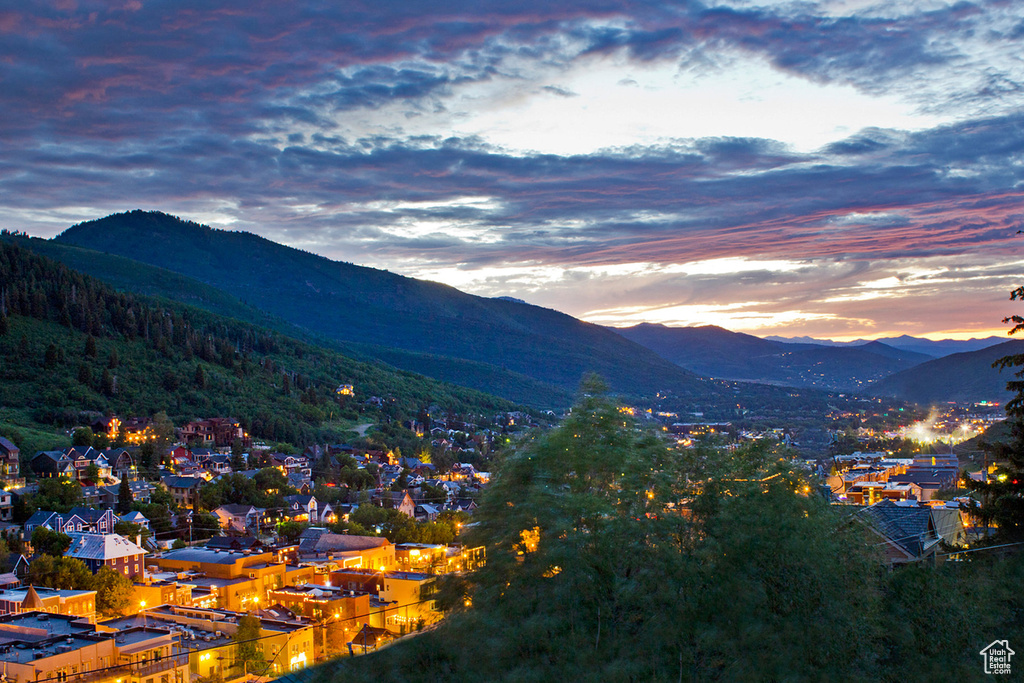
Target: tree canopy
(613, 556)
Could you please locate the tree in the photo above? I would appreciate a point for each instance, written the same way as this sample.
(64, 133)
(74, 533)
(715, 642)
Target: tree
(290, 531)
(113, 591)
(131, 531)
(237, 453)
(84, 374)
(1004, 500)
(163, 430)
(66, 573)
(584, 524)
(124, 497)
(57, 494)
(48, 542)
(82, 436)
(248, 654)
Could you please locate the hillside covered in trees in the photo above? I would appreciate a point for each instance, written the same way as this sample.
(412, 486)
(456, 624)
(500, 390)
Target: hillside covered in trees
(71, 344)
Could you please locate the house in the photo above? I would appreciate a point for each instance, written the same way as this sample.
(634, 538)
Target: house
(14, 568)
(908, 532)
(300, 482)
(141, 492)
(81, 458)
(94, 521)
(184, 490)
(10, 464)
(239, 517)
(250, 543)
(107, 550)
(463, 505)
(120, 463)
(52, 464)
(305, 506)
(396, 500)
(50, 520)
(216, 432)
(137, 518)
(291, 464)
(425, 512)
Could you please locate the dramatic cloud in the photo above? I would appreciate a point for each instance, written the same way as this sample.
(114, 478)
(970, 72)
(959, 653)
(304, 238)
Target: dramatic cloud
(773, 167)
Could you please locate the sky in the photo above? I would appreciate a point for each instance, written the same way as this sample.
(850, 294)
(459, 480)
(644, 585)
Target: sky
(838, 169)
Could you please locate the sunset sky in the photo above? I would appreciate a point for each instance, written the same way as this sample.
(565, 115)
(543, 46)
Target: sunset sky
(834, 169)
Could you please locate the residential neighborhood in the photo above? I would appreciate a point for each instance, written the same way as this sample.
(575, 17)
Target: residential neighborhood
(329, 551)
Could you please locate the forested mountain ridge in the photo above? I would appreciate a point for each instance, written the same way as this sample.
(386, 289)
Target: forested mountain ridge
(967, 376)
(376, 308)
(70, 343)
(126, 274)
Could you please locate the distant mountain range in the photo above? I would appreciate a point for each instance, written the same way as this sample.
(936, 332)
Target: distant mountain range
(929, 347)
(716, 352)
(898, 367)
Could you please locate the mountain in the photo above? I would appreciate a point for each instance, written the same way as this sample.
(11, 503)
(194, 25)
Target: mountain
(716, 352)
(141, 278)
(967, 376)
(928, 347)
(894, 352)
(71, 344)
(376, 310)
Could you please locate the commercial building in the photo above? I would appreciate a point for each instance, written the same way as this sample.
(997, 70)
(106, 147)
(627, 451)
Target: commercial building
(37, 646)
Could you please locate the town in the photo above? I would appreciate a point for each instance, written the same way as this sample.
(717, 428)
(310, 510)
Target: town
(204, 556)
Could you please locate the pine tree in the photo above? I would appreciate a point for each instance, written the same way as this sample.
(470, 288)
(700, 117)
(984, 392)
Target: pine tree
(124, 497)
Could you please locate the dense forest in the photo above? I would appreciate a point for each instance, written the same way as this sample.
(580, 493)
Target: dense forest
(70, 344)
(613, 558)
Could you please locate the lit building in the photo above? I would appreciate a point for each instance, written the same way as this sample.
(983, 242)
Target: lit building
(37, 646)
(240, 580)
(207, 635)
(81, 604)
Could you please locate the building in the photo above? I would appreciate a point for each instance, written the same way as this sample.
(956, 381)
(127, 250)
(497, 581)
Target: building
(237, 580)
(184, 490)
(287, 645)
(81, 604)
(339, 613)
(37, 646)
(52, 464)
(10, 465)
(239, 517)
(404, 599)
(371, 552)
(107, 550)
(216, 432)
